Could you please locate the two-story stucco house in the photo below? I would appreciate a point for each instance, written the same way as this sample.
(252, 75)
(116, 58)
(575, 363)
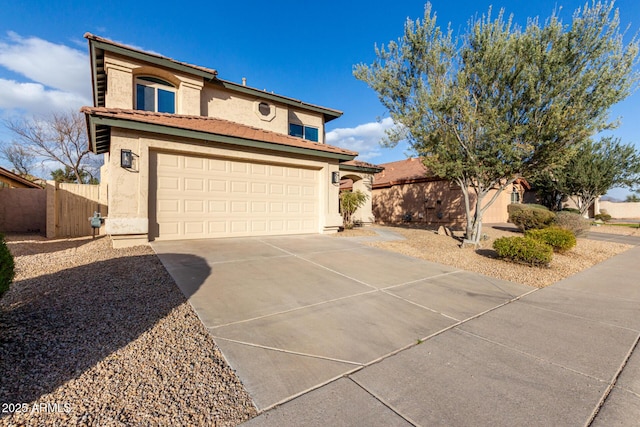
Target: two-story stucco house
(189, 155)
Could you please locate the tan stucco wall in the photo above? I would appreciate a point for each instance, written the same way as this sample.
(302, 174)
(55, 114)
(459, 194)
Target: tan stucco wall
(421, 200)
(23, 210)
(121, 74)
(128, 190)
(221, 103)
(624, 210)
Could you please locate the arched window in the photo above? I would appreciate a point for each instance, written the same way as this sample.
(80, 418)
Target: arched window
(154, 94)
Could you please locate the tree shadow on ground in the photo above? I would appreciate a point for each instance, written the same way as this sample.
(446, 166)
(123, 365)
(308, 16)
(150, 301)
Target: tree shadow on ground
(54, 327)
(22, 244)
(487, 253)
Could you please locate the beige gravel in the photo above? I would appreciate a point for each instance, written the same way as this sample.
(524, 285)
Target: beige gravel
(91, 335)
(428, 245)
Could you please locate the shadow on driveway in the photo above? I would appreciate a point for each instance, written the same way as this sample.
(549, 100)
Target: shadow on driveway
(56, 326)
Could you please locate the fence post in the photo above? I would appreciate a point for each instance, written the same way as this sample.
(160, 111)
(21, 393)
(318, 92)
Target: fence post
(51, 204)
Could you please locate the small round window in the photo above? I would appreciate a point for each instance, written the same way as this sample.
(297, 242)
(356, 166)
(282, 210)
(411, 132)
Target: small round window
(264, 108)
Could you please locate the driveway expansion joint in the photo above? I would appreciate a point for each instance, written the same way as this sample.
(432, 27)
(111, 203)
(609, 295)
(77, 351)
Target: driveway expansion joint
(612, 383)
(295, 353)
(383, 402)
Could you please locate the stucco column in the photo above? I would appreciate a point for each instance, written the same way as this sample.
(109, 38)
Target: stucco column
(364, 213)
(332, 217)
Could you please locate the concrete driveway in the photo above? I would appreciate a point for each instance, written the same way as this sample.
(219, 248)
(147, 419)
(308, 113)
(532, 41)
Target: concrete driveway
(362, 336)
(292, 313)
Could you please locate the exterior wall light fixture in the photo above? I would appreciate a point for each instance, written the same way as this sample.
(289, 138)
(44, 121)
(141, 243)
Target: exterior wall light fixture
(126, 159)
(335, 177)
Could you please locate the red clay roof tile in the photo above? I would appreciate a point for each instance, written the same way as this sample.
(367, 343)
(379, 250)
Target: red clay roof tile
(213, 126)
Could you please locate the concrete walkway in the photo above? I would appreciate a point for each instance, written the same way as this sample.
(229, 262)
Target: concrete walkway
(326, 331)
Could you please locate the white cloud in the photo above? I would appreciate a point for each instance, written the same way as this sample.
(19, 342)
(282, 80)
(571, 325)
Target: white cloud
(365, 138)
(54, 65)
(34, 98)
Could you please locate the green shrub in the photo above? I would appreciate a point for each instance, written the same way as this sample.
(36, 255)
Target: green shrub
(573, 222)
(526, 217)
(559, 239)
(604, 217)
(523, 249)
(572, 210)
(6, 266)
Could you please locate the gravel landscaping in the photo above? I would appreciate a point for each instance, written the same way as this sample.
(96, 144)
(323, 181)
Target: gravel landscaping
(91, 335)
(427, 245)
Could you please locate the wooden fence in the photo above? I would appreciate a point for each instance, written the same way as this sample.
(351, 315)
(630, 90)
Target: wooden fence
(69, 207)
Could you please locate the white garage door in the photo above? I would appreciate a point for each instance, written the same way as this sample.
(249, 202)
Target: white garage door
(198, 197)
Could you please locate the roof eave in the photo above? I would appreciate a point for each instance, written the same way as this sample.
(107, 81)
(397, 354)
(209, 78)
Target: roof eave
(94, 121)
(362, 169)
(328, 113)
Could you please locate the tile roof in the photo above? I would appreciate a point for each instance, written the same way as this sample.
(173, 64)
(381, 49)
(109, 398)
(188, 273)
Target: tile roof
(213, 126)
(212, 75)
(90, 36)
(17, 178)
(402, 171)
(361, 164)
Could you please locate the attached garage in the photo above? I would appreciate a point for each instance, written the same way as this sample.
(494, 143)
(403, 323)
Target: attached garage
(194, 197)
(201, 177)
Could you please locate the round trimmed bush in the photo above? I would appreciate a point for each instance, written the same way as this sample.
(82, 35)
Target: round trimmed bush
(573, 222)
(604, 217)
(6, 266)
(559, 239)
(523, 249)
(527, 217)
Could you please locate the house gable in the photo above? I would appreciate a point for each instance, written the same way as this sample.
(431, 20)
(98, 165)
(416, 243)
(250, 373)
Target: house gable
(117, 68)
(189, 155)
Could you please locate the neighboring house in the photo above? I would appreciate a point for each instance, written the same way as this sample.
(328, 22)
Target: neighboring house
(22, 207)
(189, 155)
(9, 179)
(405, 191)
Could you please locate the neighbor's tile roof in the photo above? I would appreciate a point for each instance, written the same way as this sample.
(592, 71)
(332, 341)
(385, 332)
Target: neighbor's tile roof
(213, 126)
(402, 171)
(17, 178)
(361, 164)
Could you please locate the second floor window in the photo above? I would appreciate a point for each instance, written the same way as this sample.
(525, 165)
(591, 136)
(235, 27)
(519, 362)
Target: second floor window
(305, 132)
(153, 94)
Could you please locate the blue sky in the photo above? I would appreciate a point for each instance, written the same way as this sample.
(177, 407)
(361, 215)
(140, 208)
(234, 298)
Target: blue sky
(302, 50)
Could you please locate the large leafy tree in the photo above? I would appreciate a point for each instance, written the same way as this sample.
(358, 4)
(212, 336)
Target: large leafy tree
(499, 101)
(59, 138)
(598, 167)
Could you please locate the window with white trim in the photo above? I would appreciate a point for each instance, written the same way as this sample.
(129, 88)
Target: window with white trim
(154, 94)
(305, 132)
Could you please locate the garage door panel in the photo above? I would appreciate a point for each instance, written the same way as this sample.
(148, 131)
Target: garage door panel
(217, 206)
(194, 206)
(194, 163)
(217, 227)
(218, 165)
(197, 197)
(168, 183)
(218, 185)
(239, 187)
(193, 228)
(194, 184)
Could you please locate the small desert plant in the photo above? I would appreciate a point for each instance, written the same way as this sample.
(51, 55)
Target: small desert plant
(6, 266)
(350, 201)
(523, 249)
(573, 222)
(559, 239)
(526, 217)
(572, 210)
(604, 217)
